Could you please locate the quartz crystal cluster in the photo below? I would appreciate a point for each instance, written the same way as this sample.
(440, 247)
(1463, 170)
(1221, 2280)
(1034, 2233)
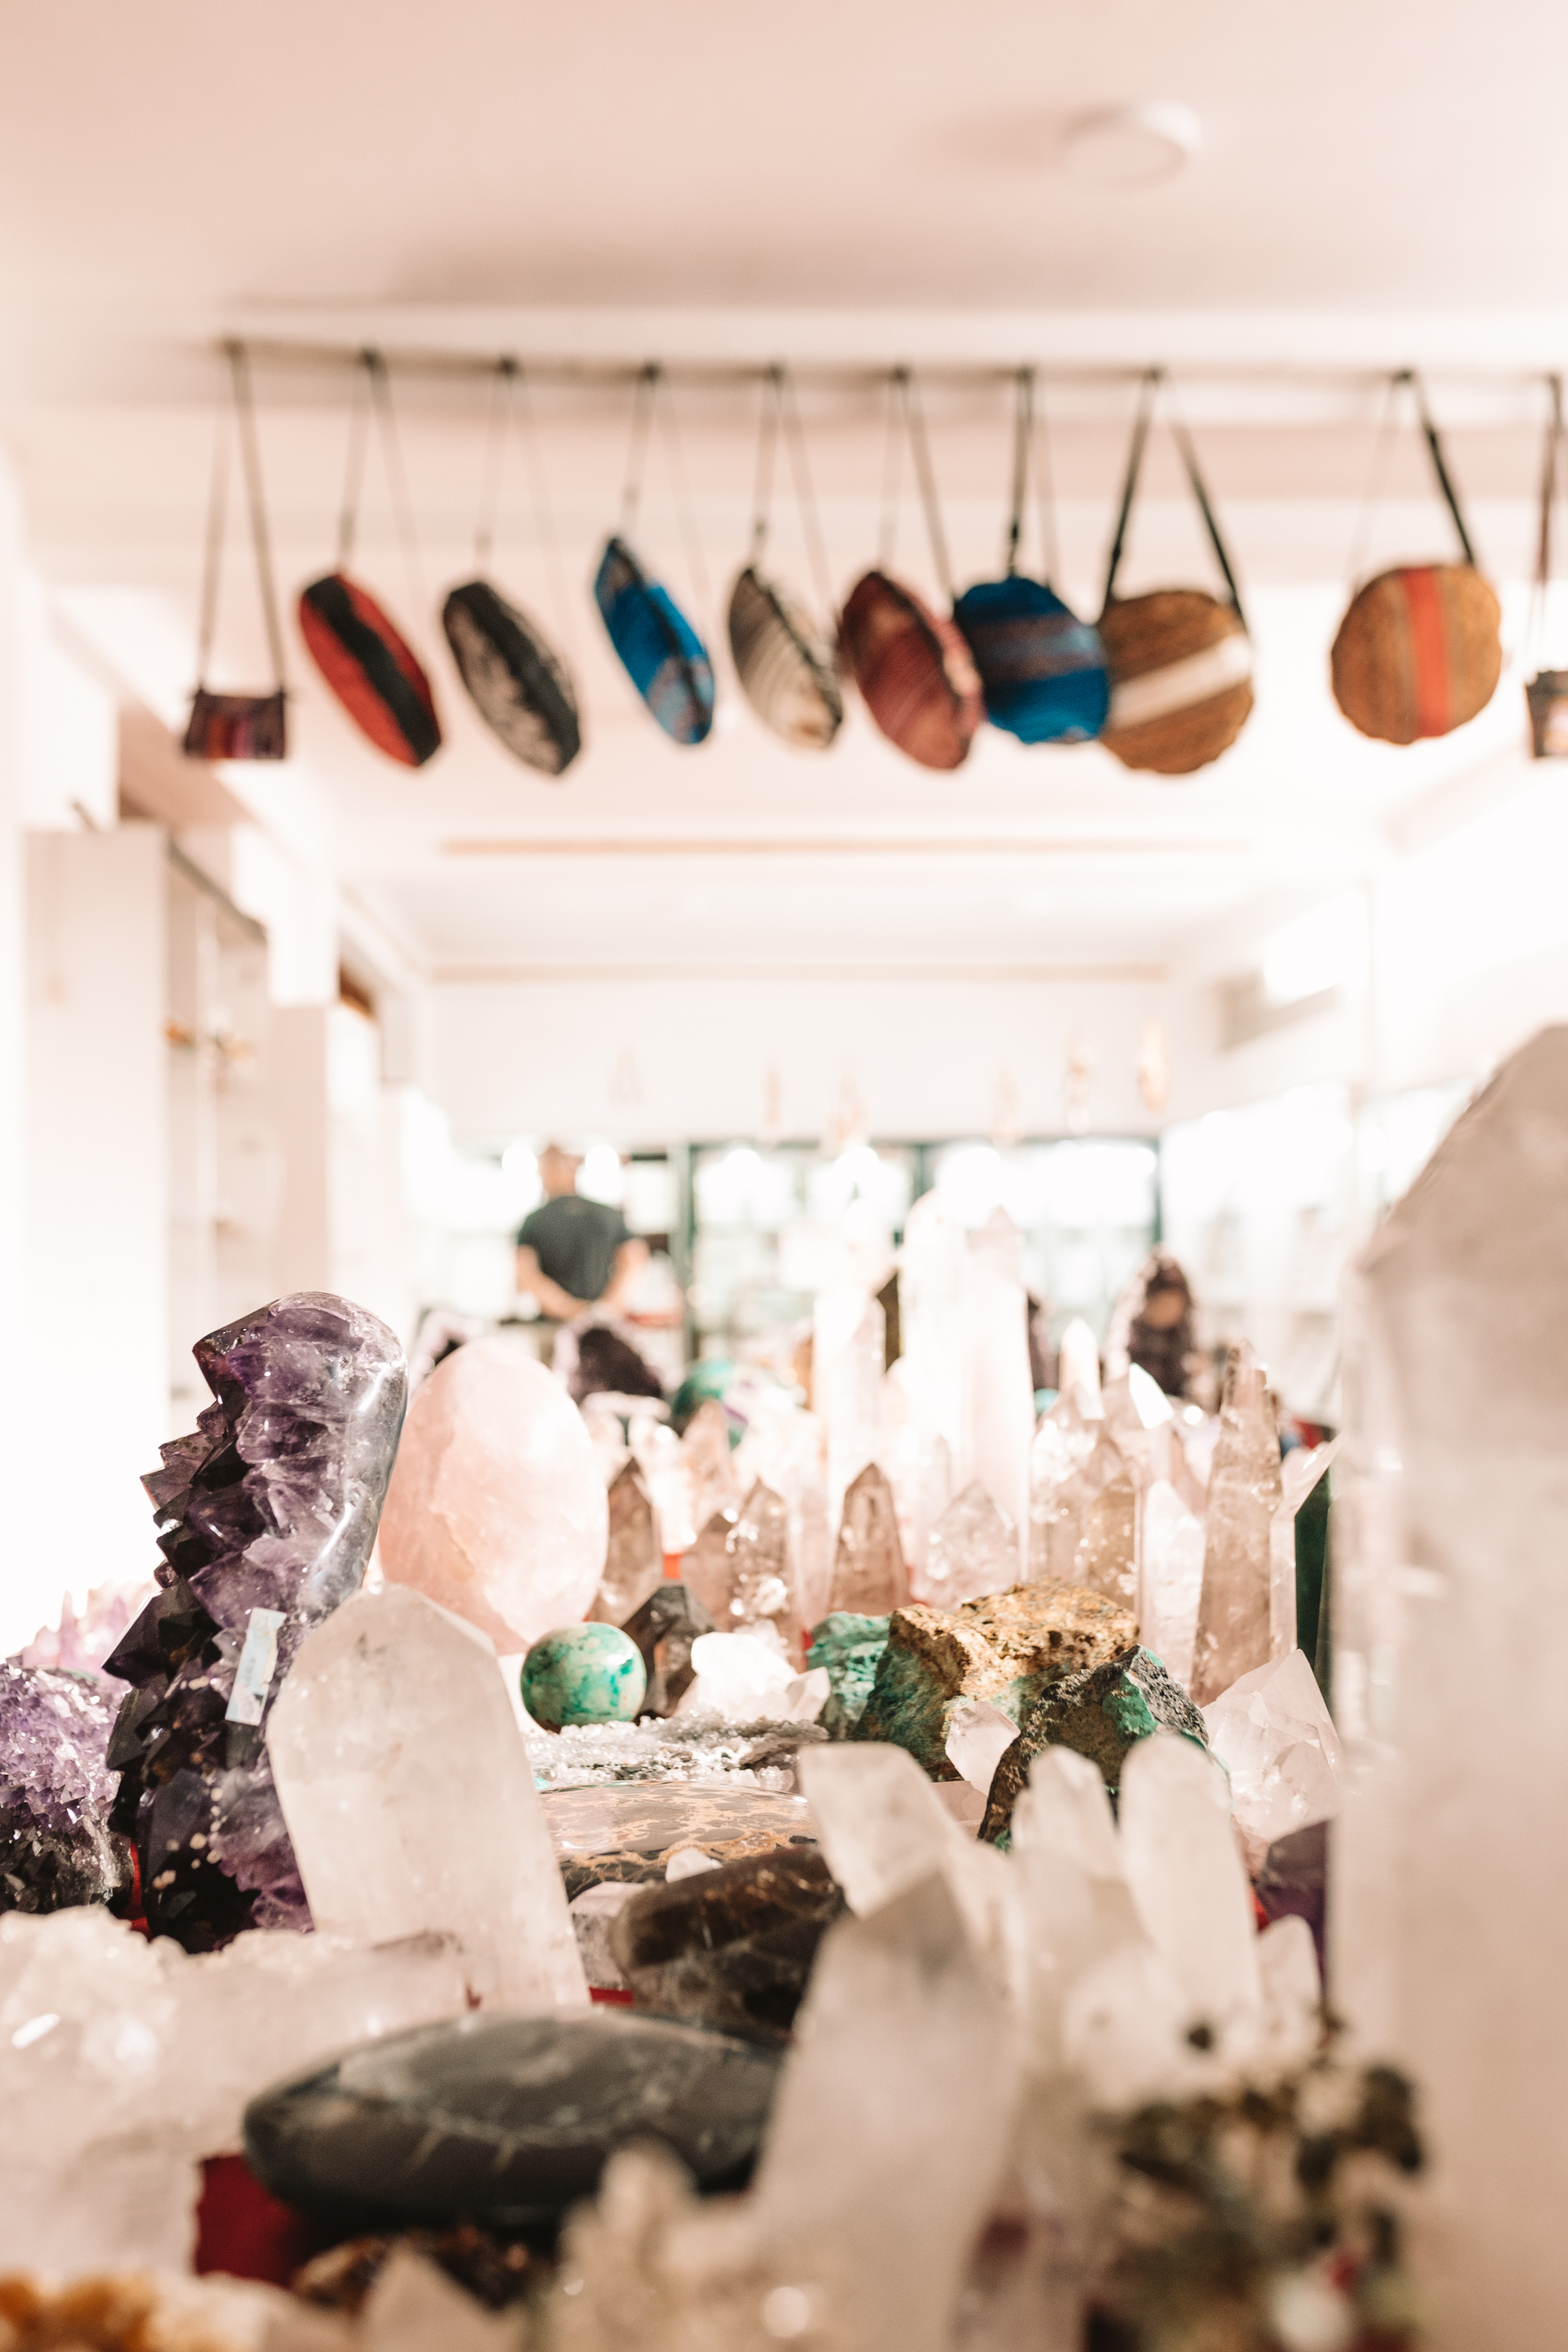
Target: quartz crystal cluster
(886, 1902)
(123, 2062)
(739, 1567)
(266, 1514)
(1277, 1739)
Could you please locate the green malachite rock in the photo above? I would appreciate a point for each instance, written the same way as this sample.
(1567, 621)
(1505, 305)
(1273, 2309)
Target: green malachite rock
(1102, 1713)
(1007, 1648)
(584, 1674)
(850, 1647)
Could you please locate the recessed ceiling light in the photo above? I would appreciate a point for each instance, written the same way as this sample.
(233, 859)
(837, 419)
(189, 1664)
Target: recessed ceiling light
(1133, 146)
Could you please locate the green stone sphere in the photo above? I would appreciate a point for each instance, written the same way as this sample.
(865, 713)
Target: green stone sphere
(584, 1674)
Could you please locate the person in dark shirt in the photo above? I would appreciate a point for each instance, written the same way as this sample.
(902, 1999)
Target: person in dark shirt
(573, 1253)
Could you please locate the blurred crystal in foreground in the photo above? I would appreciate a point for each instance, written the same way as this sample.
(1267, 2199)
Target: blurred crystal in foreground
(408, 1795)
(123, 2062)
(1449, 1906)
(267, 1514)
(890, 2127)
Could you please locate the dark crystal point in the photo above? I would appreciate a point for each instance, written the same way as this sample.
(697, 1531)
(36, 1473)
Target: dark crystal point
(271, 1504)
(56, 1849)
(664, 1629)
(506, 2121)
(730, 1947)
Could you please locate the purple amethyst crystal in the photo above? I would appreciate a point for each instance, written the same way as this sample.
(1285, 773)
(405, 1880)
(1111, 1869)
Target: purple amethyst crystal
(56, 1792)
(266, 1516)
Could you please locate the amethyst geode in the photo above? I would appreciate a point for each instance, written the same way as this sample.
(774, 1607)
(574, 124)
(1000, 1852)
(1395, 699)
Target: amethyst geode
(266, 1514)
(56, 1791)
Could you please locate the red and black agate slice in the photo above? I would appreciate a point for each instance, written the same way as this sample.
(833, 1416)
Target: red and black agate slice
(371, 668)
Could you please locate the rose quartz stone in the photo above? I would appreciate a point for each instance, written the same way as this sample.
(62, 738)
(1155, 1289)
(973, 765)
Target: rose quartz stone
(497, 1505)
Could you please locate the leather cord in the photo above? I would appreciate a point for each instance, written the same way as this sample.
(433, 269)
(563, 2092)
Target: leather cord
(805, 492)
(636, 448)
(244, 414)
(1152, 380)
(1402, 380)
(1031, 451)
(914, 417)
(767, 440)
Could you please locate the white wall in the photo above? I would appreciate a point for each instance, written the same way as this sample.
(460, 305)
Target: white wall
(1282, 1149)
(691, 1059)
(14, 1371)
(69, 727)
(95, 1399)
(1467, 954)
(377, 1240)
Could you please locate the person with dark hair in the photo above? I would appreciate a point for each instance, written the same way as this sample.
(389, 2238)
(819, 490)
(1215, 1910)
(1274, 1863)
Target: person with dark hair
(1152, 1327)
(606, 1363)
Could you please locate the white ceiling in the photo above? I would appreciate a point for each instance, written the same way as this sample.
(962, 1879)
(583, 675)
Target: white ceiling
(887, 152)
(838, 183)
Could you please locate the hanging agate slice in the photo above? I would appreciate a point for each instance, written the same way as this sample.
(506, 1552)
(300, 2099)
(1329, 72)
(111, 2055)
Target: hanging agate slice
(786, 673)
(371, 668)
(1042, 668)
(517, 683)
(662, 654)
(914, 670)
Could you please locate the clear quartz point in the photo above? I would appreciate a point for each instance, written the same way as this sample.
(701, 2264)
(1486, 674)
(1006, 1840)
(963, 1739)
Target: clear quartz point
(715, 1483)
(868, 1576)
(1232, 1633)
(633, 1564)
(406, 1788)
(973, 1551)
(1063, 1444)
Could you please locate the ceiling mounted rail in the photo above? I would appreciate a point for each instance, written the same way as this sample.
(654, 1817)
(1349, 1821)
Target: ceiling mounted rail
(481, 364)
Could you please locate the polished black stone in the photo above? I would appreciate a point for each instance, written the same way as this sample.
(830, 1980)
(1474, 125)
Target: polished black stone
(506, 2121)
(732, 1948)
